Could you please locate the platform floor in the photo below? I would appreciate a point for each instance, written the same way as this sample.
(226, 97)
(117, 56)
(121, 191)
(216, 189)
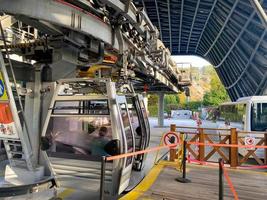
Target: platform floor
(161, 184)
(75, 189)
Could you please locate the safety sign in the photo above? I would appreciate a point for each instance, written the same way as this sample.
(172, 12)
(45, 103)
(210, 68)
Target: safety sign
(171, 138)
(3, 94)
(250, 140)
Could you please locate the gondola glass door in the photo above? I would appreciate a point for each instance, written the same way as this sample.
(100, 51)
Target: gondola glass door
(139, 129)
(145, 118)
(128, 143)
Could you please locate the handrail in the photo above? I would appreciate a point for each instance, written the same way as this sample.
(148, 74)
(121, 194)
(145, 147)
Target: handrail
(192, 127)
(220, 129)
(252, 132)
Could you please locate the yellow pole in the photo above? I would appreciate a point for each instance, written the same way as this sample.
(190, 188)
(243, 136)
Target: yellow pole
(180, 152)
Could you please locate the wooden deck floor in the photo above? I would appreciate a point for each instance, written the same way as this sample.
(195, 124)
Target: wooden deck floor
(248, 184)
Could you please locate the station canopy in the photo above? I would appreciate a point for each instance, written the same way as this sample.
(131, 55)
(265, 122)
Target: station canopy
(230, 34)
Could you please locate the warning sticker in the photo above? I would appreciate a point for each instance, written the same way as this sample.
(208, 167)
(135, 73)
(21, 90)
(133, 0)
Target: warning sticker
(3, 94)
(250, 140)
(7, 125)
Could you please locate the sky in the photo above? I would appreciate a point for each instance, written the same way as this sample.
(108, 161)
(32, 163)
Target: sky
(194, 60)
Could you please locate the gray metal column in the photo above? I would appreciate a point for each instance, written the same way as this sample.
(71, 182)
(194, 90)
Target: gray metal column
(36, 129)
(33, 111)
(161, 110)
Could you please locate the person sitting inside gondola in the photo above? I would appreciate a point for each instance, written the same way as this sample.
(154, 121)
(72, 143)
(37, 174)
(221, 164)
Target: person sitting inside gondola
(99, 142)
(138, 131)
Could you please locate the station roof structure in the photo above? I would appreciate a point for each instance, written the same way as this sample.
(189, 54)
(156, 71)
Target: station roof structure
(230, 34)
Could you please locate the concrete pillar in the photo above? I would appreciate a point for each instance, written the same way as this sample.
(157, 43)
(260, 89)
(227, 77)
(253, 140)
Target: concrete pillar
(161, 110)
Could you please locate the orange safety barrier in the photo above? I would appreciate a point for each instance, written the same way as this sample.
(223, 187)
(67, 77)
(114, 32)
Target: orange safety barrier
(175, 144)
(109, 158)
(226, 175)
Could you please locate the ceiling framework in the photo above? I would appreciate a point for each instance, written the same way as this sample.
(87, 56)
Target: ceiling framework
(230, 34)
(80, 34)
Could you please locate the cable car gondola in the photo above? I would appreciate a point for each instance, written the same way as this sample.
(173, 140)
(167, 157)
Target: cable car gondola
(87, 119)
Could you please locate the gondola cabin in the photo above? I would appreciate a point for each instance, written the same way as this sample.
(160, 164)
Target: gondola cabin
(88, 120)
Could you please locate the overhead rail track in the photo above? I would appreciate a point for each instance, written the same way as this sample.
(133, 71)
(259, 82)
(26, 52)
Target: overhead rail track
(86, 28)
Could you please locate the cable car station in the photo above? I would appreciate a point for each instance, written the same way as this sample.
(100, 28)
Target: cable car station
(74, 83)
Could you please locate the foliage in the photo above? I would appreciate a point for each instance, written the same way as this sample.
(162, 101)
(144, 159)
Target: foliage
(215, 97)
(171, 102)
(169, 107)
(153, 99)
(153, 110)
(153, 105)
(193, 105)
(171, 99)
(182, 98)
(217, 94)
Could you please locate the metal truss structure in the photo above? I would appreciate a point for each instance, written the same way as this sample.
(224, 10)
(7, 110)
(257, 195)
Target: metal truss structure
(79, 33)
(230, 34)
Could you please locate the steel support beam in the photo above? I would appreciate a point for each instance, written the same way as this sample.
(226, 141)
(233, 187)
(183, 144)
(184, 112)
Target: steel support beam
(262, 87)
(247, 64)
(205, 25)
(260, 11)
(170, 26)
(144, 5)
(130, 14)
(64, 15)
(36, 114)
(157, 9)
(61, 15)
(192, 25)
(236, 40)
(222, 28)
(181, 23)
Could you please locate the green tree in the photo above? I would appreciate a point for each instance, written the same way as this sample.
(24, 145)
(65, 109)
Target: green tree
(217, 94)
(171, 99)
(171, 102)
(193, 105)
(153, 105)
